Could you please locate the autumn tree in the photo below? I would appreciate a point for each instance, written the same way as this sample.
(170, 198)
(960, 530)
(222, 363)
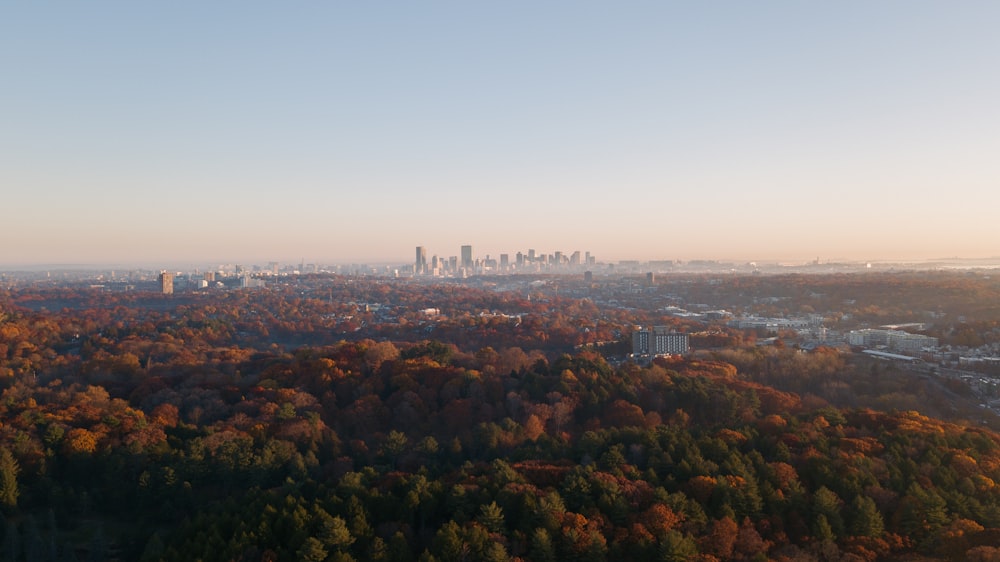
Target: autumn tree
(721, 538)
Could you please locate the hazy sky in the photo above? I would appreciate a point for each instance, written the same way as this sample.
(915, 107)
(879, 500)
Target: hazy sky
(346, 131)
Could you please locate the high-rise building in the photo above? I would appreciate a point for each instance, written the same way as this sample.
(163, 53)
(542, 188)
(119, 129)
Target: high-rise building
(420, 266)
(467, 257)
(504, 262)
(588, 276)
(574, 258)
(166, 283)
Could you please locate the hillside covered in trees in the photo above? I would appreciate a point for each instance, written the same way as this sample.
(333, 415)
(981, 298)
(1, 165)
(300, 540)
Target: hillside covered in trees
(277, 426)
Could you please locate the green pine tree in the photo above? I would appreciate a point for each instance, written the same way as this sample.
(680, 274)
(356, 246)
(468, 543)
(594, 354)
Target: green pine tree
(867, 521)
(822, 530)
(311, 551)
(491, 517)
(542, 547)
(677, 548)
(9, 469)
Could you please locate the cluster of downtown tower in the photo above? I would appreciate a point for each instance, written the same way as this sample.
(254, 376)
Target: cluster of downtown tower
(467, 264)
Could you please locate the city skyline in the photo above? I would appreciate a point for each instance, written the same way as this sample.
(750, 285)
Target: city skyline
(336, 133)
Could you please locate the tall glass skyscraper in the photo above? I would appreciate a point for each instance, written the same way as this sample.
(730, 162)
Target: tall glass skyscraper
(467, 256)
(420, 266)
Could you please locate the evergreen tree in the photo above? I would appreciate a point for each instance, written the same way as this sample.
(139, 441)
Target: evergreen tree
(335, 534)
(491, 517)
(357, 517)
(921, 512)
(867, 521)
(827, 504)
(822, 530)
(378, 551)
(448, 544)
(399, 548)
(495, 552)
(542, 548)
(676, 547)
(9, 470)
(311, 551)
(458, 504)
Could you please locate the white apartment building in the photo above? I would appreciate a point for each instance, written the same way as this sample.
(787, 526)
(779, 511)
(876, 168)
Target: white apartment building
(893, 339)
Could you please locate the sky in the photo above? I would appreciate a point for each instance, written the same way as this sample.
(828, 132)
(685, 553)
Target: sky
(221, 132)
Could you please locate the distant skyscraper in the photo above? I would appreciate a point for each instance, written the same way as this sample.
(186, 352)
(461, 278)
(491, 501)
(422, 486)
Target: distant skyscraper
(574, 258)
(420, 267)
(504, 262)
(588, 276)
(166, 283)
(467, 256)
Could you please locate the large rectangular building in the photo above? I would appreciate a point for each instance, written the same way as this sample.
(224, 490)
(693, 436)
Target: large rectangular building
(166, 282)
(896, 340)
(660, 341)
(420, 265)
(467, 257)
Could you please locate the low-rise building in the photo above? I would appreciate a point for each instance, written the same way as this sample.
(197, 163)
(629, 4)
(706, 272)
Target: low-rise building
(896, 340)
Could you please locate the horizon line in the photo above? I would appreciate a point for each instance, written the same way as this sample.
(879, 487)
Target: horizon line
(169, 263)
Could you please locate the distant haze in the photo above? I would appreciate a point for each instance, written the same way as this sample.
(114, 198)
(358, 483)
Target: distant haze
(337, 132)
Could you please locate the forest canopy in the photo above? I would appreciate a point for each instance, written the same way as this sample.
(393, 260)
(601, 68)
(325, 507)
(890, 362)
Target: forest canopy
(264, 426)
